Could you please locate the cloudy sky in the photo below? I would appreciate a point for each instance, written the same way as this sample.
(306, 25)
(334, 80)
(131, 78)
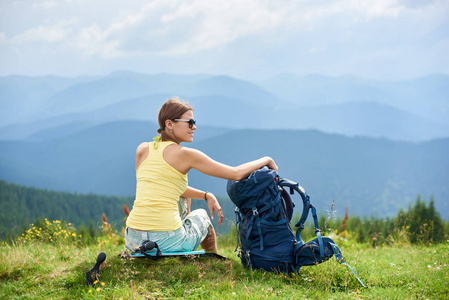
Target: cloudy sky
(380, 39)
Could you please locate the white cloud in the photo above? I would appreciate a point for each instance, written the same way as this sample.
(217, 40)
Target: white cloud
(213, 24)
(373, 9)
(93, 41)
(43, 33)
(46, 4)
(233, 31)
(178, 27)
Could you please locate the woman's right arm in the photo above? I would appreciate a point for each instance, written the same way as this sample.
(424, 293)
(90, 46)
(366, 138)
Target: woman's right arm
(203, 163)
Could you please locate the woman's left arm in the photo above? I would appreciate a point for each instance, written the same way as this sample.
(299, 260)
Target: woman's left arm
(212, 201)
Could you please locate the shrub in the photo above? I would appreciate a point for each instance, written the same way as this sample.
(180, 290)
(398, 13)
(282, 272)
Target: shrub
(51, 232)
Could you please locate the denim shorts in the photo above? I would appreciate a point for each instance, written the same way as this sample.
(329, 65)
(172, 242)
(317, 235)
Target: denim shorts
(188, 237)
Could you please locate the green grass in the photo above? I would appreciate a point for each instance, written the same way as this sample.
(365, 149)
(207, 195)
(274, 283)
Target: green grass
(33, 269)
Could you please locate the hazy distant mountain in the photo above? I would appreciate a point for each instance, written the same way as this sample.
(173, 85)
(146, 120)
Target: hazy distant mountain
(232, 114)
(22, 96)
(371, 119)
(230, 88)
(88, 96)
(371, 176)
(28, 130)
(427, 97)
(317, 90)
(412, 110)
(97, 94)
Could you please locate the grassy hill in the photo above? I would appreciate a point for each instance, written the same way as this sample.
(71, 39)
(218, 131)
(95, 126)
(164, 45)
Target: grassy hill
(38, 269)
(391, 256)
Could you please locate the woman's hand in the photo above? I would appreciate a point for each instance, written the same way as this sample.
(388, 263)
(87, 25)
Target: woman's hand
(271, 164)
(212, 201)
(214, 206)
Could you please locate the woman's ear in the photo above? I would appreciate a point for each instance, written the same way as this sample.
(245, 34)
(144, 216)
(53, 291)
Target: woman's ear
(169, 124)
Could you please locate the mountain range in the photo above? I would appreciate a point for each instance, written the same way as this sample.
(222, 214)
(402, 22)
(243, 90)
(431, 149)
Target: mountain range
(413, 110)
(371, 146)
(371, 176)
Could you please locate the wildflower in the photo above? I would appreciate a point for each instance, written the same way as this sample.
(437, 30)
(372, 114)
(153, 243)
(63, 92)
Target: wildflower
(74, 234)
(98, 289)
(89, 291)
(102, 283)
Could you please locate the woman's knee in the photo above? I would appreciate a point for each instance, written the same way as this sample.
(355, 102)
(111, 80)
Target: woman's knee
(202, 212)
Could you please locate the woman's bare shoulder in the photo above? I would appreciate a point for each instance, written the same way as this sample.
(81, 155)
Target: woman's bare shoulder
(192, 154)
(181, 152)
(188, 150)
(142, 147)
(141, 153)
(142, 150)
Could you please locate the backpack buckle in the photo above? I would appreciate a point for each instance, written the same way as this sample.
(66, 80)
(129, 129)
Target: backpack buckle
(255, 212)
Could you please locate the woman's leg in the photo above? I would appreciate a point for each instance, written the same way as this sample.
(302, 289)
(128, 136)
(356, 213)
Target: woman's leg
(209, 244)
(200, 231)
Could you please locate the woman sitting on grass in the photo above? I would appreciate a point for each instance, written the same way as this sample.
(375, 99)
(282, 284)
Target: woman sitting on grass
(161, 212)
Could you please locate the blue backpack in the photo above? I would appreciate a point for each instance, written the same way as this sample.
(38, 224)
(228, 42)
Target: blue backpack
(265, 239)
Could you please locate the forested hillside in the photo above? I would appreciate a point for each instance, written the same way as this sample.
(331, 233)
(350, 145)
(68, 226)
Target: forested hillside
(20, 206)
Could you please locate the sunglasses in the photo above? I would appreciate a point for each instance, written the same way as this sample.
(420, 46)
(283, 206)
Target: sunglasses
(190, 121)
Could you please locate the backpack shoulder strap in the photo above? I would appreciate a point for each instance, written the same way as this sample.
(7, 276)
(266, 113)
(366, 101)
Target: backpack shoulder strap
(294, 186)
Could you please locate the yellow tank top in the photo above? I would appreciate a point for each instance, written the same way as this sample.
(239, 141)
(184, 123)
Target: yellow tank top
(158, 189)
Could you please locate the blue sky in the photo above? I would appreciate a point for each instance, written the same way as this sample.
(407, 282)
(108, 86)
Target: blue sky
(379, 39)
